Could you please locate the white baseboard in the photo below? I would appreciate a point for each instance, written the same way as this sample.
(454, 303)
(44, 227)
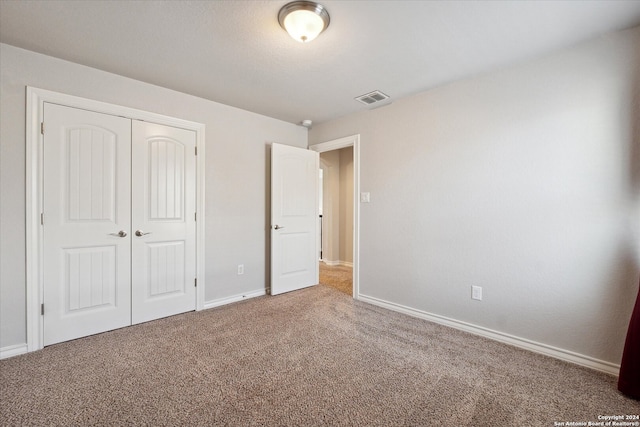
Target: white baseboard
(335, 263)
(234, 298)
(13, 350)
(536, 347)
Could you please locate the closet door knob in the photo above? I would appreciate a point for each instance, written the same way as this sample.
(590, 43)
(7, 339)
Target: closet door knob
(141, 233)
(120, 233)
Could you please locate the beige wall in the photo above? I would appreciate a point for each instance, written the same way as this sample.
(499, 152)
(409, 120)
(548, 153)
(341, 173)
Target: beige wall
(330, 163)
(524, 181)
(237, 158)
(346, 205)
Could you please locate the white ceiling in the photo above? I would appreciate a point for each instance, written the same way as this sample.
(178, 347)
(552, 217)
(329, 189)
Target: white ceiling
(235, 52)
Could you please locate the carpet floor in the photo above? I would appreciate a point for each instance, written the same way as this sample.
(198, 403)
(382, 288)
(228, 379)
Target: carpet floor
(338, 277)
(305, 358)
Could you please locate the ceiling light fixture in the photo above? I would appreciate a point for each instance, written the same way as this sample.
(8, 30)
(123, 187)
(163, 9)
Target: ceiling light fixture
(303, 20)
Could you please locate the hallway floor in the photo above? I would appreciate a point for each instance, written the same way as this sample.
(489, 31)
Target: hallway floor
(338, 277)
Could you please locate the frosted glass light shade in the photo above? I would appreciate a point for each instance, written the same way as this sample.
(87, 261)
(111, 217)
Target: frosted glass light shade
(303, 25)
(303, 20)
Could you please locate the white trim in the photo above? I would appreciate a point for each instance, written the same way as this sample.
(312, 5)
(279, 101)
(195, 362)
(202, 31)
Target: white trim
(335, 263)
(234, 298)
(200, 204)
(336, 144)
(35, 107)
(536, 347)
(13, 350)
(33, 242)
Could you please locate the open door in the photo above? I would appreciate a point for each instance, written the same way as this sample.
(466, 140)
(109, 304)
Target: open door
(294, 218)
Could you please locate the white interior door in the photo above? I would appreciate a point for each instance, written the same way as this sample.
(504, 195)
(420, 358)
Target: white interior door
(163, 221)
(294, 218)
(87, 214)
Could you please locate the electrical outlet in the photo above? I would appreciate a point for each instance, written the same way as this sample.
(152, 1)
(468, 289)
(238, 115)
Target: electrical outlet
(240, 269)
(476, 293)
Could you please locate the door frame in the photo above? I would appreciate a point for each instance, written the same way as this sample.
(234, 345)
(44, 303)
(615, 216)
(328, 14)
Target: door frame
(34, 188)
(336, 144)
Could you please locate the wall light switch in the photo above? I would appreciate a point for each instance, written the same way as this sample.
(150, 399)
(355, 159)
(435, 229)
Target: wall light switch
(476, 293)
(365, 197)
(240, 269)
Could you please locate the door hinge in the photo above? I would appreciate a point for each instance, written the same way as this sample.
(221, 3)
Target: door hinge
(195, 282)
(42, 219)
(196, 150)
(195, 216)
(42, 309)
(42, 128)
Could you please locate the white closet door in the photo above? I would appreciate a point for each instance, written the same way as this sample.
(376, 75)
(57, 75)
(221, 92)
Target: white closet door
(163, 221)
(87, 212)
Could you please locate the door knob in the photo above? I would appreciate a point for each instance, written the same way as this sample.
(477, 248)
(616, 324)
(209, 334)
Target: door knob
(277, 227)
(120, 233)
(140, 233)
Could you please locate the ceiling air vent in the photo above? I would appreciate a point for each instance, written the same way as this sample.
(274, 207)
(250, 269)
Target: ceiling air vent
(372, 97)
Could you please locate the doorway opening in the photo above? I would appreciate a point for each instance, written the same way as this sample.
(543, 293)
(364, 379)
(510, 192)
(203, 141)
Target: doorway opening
(336, 263)
(338, 182)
